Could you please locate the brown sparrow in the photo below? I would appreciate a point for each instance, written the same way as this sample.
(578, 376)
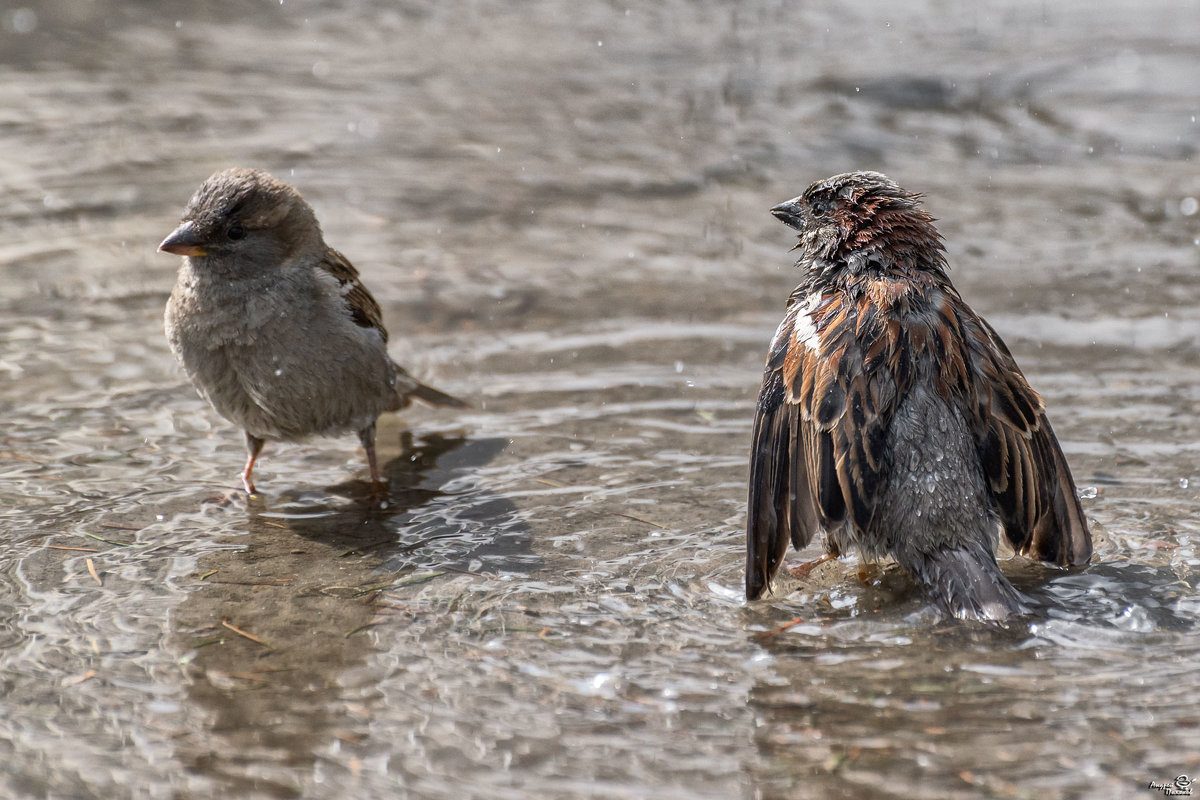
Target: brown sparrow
(273, 326)
(894, 419)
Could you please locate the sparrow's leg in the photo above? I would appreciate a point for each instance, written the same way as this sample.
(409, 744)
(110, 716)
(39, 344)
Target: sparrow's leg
(254, 446)
(367, 437)
(801, 570)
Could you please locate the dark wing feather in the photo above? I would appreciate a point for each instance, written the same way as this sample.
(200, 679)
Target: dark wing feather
(846, 408)
(1026, 471)
(837, 368)
(780, 506)
(360, 305)
(366, 313)
(820, 428)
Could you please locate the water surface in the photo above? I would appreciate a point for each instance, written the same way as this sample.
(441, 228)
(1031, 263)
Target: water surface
(562, 209)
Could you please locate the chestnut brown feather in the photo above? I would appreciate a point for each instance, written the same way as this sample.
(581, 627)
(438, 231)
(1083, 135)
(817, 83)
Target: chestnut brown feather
(361, 305)
(877, 358)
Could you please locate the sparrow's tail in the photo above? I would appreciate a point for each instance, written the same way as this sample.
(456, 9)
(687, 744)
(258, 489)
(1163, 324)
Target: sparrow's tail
(409, 388)
(436, 397)
(966, 582)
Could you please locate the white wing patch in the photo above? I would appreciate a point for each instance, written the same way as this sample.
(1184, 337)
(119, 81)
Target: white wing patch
(804, 333)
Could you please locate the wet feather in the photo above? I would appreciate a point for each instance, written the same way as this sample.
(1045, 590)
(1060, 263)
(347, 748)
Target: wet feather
(876, 330)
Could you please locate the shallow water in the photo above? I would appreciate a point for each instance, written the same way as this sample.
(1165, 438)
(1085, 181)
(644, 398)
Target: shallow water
(562, 210)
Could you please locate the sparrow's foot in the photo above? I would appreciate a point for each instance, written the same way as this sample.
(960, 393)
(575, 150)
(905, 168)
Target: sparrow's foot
(223, 499)
(871, 574)
(254, 446)
(801, 571)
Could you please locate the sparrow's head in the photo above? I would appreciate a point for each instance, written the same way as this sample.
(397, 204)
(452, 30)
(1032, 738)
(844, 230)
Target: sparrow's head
(858, 221)
(241, 222)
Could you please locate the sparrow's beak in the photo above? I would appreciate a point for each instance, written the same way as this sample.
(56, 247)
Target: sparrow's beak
(789, 213)
(183, 241)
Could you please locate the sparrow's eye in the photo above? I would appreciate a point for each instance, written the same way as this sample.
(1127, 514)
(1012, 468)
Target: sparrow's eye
(235, 232)
(819, 208)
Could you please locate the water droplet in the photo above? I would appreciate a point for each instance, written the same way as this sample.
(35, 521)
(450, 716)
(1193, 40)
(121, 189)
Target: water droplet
(1183, 483)
(21, 21)
(1189, 206)
(1089, 492)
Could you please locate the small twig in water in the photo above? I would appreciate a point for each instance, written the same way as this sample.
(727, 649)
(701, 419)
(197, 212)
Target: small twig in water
(108, 541)
(416, 579)
(775, 632)
(468, 572)
(640, 519)
(91, 565)
(78, 679)
(363, 627)
(240, 632)
(207, 642)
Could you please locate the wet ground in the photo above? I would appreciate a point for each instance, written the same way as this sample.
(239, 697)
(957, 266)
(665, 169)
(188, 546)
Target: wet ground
(562, 209)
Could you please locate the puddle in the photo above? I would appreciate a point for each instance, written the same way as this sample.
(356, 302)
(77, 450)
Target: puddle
(568, 228)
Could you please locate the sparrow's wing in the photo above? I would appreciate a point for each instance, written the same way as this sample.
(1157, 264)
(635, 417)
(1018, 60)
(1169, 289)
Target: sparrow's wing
(1026, 470)
(360, 305)
(828, 395)
(366, 313)
(780, 506)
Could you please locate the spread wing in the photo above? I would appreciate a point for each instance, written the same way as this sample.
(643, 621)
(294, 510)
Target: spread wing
(837, 368)
(776, 514)
(1027, 473)
(829, 391)
(361, 306)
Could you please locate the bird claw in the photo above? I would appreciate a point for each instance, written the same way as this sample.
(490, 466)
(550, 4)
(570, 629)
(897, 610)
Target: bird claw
(377, 494)
(802, 571)
(870, 574)
(223, 499)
